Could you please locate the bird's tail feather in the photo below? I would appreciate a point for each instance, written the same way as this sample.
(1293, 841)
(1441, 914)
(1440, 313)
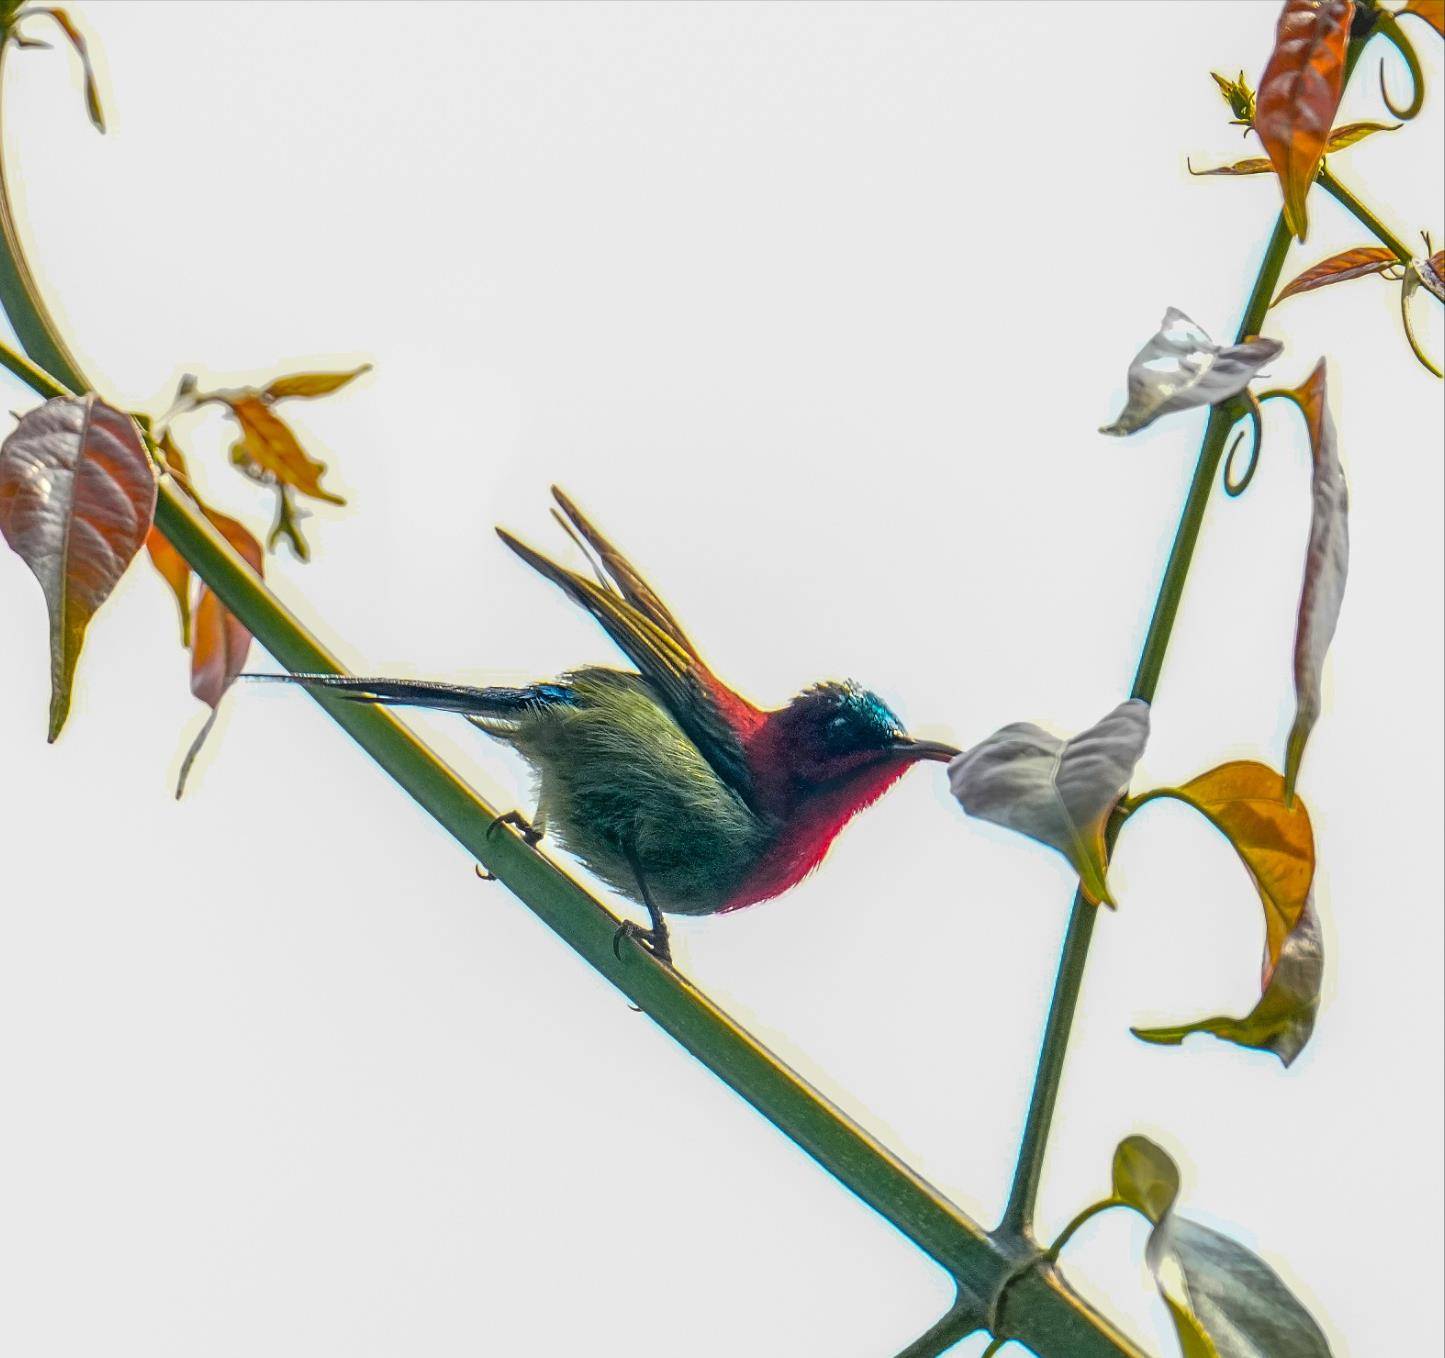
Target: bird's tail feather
(485, 705)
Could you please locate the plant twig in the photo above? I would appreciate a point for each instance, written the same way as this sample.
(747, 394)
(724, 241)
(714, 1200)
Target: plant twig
(1332, 186)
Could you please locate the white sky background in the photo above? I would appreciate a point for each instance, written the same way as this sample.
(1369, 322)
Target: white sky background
(816, 309)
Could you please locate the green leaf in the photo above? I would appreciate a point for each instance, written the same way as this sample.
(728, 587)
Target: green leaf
(1145, 1178)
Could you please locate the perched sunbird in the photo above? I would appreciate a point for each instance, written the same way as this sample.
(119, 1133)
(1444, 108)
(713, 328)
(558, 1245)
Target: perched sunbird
(664, 782)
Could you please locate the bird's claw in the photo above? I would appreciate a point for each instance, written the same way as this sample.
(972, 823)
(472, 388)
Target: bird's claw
(521, 824)
(484, 874)
(658, 947)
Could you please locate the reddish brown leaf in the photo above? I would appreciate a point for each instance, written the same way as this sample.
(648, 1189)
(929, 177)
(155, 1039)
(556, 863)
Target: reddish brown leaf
(218, 652)
(77, 497)
(1367, 259)
(310, 384)
(1299, 93)
(268, 441)
(220, 640)
(1431, 11)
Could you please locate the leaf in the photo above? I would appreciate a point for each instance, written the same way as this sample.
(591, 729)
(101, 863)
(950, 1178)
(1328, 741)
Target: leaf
(174, 569)
(1327, 560)
(1059, 792)
(1349, 133)
(1338, 268)
(1299, 93)
(268, 441)
(1225, 1301)
(1431, 11)
(77, 497)
(1284, 1019)
(67, 26)
(1181, 367)
(1246, 802)
(220, 641)
(1145, 1177)
(309, 384)
(1254, 165)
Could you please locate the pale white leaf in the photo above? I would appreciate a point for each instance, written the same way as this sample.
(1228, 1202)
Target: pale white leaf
(1181, 367)
(1059, 792)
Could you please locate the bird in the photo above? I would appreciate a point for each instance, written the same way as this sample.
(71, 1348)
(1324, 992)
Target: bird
(665, 783)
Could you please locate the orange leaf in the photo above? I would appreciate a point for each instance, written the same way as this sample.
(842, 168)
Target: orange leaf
(1249, 804)
(1299, 93)
(1431, 11)
(77, 497)
(268, 441)
(219, 640)
(1367, 259)
(309, 384)
(175, 570)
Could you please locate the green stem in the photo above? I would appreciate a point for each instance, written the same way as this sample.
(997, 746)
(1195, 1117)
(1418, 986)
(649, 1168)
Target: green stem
(1332, 186)
(1017, 1221)
(1087, 1215)
(1054, 1321)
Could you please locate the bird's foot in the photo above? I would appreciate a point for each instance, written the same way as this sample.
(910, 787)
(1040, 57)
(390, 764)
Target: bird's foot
(522, 825)
(656, 943)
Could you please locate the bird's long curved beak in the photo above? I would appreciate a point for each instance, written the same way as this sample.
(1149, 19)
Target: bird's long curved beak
(929, 749)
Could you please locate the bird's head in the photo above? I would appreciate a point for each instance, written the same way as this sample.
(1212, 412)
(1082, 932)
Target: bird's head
(838, 733)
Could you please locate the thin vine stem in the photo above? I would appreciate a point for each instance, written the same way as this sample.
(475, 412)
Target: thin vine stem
(1016, 1223)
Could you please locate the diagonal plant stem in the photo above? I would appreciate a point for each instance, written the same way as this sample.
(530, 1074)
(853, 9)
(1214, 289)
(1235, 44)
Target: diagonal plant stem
(1016, 1225)
(1053, 1320)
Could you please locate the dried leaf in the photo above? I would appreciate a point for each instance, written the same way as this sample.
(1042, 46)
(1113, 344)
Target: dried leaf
(1431, 11)
(1349, 133)
(1145, 1177)
(310, 384)
(1224, 1300)
(1246, 802)
(268, 441)
(1254, 165)
(1299, 93)
(1327, 560)
(1182, 367)
(220, 641)
(1348, 264)
(1059, 792)
(77, 497)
